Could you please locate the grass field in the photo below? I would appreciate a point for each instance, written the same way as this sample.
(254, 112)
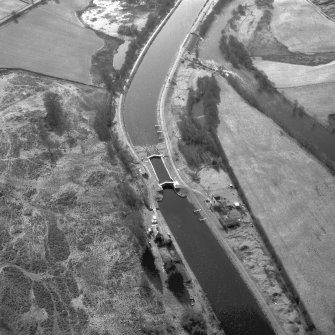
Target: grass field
(293, 197)
(298, 25)
(50, 39)
(311, 86)
(7, 6)
(318, 100)
(285, 75)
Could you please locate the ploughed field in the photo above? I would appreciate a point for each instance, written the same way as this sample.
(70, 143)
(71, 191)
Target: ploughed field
(50, 39)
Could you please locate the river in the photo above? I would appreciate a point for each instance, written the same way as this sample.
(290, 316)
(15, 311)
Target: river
(233, 303)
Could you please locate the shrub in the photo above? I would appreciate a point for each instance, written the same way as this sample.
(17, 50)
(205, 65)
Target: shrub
(134, 222)
(194, 323)
(72, 285)
(149, 267)
(124, 155)
(43, 297)
(235, 52)
(128, 30)
(58, 245)
(211, 16)
(153, 329)
(199, 143)
(176, 283)
(104, 117)
(148, 261)
(55, 116)
(129, 196)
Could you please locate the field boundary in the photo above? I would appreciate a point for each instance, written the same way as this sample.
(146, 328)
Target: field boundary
(320, 11)
(10, 17)
(5, 70)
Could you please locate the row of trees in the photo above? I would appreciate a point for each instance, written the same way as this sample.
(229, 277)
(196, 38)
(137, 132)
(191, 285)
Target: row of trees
(235, 52)
(211, 16)
(163, 7)
(199, 143)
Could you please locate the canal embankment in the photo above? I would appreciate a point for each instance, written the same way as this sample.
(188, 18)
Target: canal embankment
(284, 301)
(140, 154)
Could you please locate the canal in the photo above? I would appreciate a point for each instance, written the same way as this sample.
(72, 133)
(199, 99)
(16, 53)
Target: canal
(161, 172)
(232, 301)
(140, 106)
(230, 298)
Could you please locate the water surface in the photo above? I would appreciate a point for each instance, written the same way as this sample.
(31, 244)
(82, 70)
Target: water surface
(160, 169)
(229, 296)
(120, 56)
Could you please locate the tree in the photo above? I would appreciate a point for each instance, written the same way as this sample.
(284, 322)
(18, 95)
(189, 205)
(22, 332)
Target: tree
(55, 115)
(194, 323)
(176, 283)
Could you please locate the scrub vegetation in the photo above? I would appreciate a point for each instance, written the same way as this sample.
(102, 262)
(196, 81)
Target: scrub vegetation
(194, 323)
(162, 8)
(199, 143)
(72, 229)
(211, 16)
(74, 253)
